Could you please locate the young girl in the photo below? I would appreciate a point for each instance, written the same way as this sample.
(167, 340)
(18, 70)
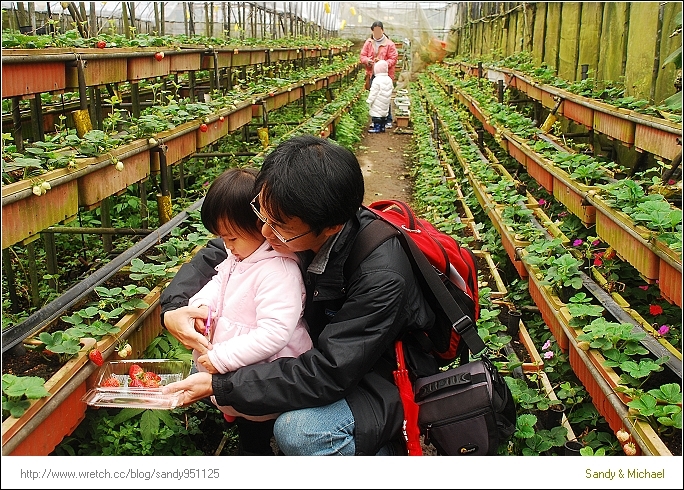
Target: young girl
(254, 304)
(380, 97)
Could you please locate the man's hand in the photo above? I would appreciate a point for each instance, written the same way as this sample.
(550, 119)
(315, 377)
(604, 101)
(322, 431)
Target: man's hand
(191, 389)
(181, 323)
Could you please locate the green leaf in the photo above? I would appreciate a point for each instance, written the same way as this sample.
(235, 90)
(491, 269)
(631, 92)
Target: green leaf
(668, 393)
(149, 425)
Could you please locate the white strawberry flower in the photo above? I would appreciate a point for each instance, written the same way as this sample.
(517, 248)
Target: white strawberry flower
(37, 190)
(119, 165)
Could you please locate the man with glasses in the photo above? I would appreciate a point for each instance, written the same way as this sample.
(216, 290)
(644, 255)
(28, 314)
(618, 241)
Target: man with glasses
(339, 397)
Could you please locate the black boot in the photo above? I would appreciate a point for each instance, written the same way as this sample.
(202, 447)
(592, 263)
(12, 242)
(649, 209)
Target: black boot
(254, 437)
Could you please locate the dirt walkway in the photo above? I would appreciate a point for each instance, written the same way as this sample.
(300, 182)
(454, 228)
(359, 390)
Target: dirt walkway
(384, 160)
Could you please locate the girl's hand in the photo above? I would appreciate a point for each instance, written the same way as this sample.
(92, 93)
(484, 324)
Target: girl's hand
(206, 363)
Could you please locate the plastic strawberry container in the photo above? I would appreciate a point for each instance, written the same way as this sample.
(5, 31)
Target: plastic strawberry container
(126, 396)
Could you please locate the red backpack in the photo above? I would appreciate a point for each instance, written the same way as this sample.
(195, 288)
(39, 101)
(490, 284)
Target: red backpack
(446, 271)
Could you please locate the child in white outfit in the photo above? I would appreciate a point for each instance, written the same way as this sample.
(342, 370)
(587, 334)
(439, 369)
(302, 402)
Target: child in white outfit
(380, 97)
(255, 303)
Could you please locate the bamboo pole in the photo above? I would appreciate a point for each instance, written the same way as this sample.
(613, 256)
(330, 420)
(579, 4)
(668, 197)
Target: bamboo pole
(84, 19)
(124, 19)
(32, 15)
(131, 11)
(207, 6)
(226, 20)
(93, 20)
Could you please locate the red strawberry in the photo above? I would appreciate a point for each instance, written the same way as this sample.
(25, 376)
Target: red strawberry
(135, 371)
(204, 128)
(221, 118)
(111, 382)
(135, 383)
(159, 56)
(96, 356)
(101, 44)
(151, 380)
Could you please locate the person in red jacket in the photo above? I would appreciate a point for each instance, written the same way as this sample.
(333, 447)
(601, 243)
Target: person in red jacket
(379, 47)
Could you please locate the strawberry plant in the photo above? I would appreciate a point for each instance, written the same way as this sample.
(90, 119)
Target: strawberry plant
(17, 393)
(60, 343)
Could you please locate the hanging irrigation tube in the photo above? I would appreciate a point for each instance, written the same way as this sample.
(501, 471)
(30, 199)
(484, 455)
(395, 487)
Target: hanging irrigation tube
(14, 335)
(655, 347)
(611, 397)
(61, 395)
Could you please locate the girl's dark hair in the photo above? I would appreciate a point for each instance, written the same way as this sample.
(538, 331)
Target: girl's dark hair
(377, 23)
(228, 199)
(311, 178)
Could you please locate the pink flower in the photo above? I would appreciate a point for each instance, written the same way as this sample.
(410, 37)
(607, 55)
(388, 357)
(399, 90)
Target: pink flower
(655, 310)
(577, 243)
(645, 288)
(548, 354)
(595, 242)
(663, 330)
(671, 182)
(541, 202)
(562, 214)
(546, 345)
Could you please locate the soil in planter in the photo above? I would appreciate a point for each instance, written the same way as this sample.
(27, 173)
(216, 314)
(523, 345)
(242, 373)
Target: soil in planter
(520, 350)
(33, 362)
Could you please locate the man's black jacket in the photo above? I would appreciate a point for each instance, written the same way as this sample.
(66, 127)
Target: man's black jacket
(353, 325)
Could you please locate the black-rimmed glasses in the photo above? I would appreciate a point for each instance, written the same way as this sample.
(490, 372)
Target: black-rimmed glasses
(255, 208)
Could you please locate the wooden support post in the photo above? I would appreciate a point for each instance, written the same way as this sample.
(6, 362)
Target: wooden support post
(144, 211)
(135, 99)
(16, 122)
(51, 257)
(8, 272)
(106, 222)
(98, 108)
(181, 178)
(33, 274)
(191, 85)
(37, 119)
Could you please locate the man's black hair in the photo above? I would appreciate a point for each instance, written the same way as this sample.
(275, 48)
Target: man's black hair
(311, 178)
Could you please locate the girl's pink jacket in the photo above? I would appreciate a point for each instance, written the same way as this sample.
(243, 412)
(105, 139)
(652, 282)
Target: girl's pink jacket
(262, 308)
(386, 51)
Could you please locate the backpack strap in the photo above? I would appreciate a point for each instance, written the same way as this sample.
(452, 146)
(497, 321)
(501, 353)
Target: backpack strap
(368, 239)
(378, 232)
